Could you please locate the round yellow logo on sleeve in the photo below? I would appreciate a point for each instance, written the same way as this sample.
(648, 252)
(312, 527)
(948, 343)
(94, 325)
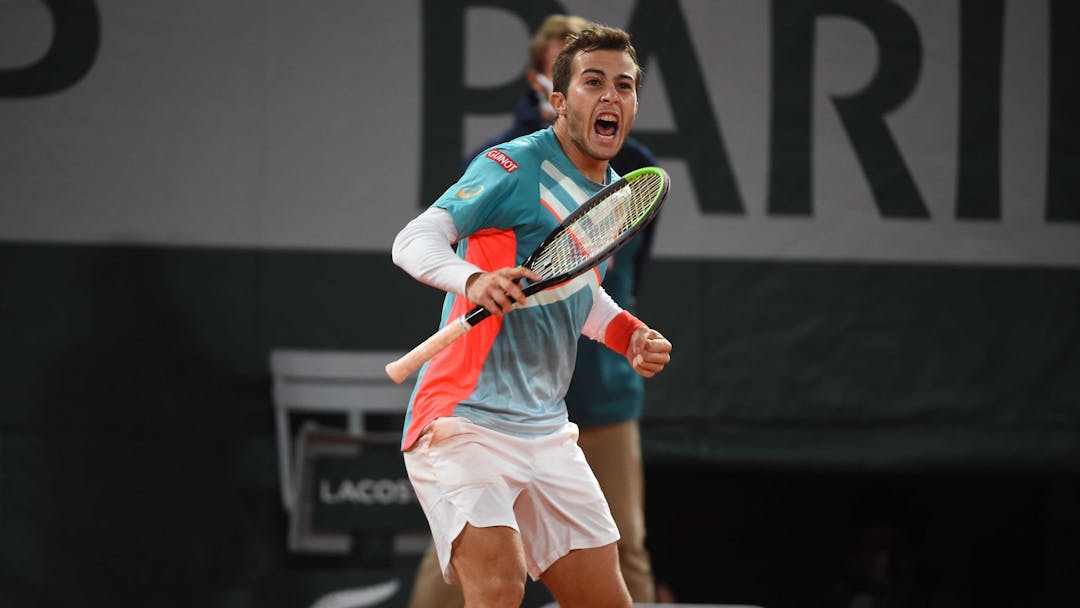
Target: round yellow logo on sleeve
(470, 191)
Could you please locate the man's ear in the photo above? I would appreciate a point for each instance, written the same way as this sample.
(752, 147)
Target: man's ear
(558, 101)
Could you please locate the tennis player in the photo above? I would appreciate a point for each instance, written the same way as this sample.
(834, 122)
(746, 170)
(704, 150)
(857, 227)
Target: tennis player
(490, 452)
(605, 398)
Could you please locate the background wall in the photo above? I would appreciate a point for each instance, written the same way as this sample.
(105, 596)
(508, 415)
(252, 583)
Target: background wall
(868, 264)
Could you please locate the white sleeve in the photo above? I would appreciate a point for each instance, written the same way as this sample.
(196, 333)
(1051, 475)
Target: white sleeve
(422, 249)
(604, 309)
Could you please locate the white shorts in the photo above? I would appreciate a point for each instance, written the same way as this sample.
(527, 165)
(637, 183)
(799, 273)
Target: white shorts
(541, 487)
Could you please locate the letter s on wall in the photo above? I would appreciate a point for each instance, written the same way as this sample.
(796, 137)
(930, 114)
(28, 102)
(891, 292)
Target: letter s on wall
(74, 47)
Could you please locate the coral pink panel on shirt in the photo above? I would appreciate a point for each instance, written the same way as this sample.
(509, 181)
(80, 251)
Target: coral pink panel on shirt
(451, 376)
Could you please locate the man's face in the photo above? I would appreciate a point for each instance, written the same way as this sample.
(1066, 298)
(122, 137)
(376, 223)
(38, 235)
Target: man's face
(553, 50)
(541, 81)
(600, 102)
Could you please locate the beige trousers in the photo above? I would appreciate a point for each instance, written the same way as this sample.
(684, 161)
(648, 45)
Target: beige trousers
(614, 454)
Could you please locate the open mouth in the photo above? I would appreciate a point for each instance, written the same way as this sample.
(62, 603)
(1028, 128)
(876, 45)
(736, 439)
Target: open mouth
(606, 125)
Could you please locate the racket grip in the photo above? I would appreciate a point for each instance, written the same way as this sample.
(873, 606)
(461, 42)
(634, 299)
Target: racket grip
(415, 358)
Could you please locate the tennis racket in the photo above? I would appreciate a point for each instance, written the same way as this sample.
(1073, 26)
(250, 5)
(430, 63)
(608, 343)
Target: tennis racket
(588, 236)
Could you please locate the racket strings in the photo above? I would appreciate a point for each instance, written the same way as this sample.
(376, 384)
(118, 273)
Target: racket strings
(597, 229)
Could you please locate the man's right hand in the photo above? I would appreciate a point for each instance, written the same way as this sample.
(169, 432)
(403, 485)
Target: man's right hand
(497, 291)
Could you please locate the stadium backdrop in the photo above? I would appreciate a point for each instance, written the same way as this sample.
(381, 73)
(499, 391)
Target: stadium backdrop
(869, 260)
